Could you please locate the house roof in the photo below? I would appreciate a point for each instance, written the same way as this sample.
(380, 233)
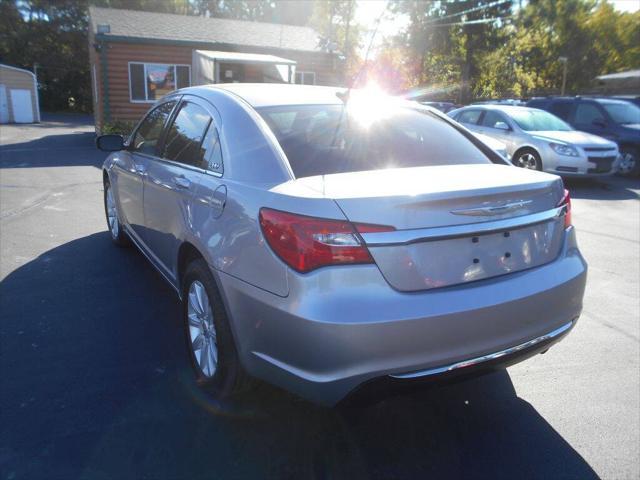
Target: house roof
(139, 25)
(620, 75)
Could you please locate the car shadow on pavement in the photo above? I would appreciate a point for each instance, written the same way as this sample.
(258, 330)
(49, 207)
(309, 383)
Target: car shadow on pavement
(605, 188)
(94, 383)
(73, 149)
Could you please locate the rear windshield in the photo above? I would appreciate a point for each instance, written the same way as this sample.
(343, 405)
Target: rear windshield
(326, 139)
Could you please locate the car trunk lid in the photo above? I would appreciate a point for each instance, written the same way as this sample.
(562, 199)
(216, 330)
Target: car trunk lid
(453, 224)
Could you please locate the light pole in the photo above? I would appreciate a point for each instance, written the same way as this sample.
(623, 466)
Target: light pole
(564, 61)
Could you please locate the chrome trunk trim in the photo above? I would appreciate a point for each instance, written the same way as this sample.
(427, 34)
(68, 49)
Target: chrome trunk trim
(404, 237)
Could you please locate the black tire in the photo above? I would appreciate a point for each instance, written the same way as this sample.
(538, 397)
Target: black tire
(631, 162)
(229, 377)
(527, 158)
(118, 236)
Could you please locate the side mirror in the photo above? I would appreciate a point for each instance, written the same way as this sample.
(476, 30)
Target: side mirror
(110, 143)
(599, 123)
(501, 126)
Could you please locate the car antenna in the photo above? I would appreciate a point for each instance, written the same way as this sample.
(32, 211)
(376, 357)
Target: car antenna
(344, 96)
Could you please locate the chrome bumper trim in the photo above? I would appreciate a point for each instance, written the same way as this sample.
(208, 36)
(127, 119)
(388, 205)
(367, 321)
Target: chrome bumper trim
(404, 237)
(485, 358)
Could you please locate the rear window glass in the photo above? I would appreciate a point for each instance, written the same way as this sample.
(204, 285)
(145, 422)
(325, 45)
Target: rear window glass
(326, 139)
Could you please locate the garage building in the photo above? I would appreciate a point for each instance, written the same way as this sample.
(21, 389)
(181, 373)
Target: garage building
(18, 96)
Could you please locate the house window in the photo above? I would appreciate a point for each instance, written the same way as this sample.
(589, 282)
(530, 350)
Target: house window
(150, 81)
(306, 78)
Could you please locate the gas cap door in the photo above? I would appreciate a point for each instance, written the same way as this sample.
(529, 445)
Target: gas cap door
(218, 200)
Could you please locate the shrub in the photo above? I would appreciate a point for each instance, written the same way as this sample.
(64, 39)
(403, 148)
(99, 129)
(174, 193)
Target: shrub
(118, 127)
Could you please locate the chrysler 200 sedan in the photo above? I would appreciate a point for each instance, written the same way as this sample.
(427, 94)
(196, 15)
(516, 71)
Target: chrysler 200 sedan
(325, 241)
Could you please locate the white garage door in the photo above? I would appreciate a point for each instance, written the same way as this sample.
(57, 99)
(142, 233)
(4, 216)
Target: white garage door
(22, 107)
(4, 106)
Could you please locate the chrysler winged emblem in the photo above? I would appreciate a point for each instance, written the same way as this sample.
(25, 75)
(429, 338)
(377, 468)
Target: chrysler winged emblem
(492, 209)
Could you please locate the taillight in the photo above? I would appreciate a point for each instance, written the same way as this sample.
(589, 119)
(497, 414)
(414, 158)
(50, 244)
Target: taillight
(566, 201)
(306, 243)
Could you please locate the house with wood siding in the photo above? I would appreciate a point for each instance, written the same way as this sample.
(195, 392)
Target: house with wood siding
(137, 57)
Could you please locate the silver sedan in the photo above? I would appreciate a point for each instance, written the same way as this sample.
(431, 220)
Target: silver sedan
(538, 140)
(326, 241)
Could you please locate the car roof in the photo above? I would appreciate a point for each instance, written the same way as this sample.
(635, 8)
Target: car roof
(274, 94)
(502, 108)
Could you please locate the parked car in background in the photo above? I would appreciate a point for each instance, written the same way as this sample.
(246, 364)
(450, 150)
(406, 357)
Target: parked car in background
(444, 107)
(322, 243)
(612, 118)
(538, 140)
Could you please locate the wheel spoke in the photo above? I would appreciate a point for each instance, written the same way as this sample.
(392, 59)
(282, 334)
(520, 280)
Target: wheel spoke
(197, 287)
(199, 342)
(193, 302)
(204, 358)
(194, 321)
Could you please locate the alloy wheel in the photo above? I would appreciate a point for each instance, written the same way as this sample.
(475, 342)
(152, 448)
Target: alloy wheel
(112, 214)
(628, 163)
(202, 329)
(527, 160)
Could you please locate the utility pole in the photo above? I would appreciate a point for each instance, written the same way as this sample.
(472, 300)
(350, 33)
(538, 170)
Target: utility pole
(564, 61)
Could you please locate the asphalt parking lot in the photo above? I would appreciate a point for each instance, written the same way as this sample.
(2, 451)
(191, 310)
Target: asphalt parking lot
(94, 380)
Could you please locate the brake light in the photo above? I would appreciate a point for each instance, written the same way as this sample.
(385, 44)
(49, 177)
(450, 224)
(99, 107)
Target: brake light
(566, 201)
(306, 243)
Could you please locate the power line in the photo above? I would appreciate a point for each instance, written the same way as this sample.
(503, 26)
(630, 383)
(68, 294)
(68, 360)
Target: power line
(469, 22)
(470, 10)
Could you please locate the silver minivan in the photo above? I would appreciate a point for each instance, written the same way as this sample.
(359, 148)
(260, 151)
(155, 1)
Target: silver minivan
(327, 242)
(539, 140)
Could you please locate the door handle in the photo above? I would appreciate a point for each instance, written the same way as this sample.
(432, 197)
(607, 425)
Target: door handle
(181, 182)
(140, 168)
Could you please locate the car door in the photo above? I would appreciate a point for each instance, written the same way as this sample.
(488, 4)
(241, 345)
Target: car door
(132, 163)
(591, 117)
(496, 125)
(171, 181)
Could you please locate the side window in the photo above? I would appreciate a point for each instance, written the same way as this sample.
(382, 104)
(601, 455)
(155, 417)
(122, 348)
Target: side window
(561, 109)
(184, 137)
(145, 140)
(587, 113)
(494, 119)
(469, 116)
(212, 150)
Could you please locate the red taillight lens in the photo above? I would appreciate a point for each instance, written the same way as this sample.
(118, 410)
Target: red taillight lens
(566, 201)
(306, 243)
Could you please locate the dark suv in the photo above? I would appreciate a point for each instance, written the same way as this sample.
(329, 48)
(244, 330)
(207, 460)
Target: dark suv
(615, 119)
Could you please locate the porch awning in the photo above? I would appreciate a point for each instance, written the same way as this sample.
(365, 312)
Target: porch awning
(204, 68)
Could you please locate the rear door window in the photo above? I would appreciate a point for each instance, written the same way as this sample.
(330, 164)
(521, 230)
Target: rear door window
(146, 137)
(587, 113)
(185, 136)
(562, 110)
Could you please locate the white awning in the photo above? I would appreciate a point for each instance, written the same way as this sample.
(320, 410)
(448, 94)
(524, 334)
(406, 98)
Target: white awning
(235, 57)
(205, 65)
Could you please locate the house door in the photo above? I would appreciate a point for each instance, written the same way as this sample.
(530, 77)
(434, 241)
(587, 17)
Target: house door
(22, 107)
(4, 105)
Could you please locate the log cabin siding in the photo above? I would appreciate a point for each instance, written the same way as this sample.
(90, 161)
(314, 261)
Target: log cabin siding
(114, 102)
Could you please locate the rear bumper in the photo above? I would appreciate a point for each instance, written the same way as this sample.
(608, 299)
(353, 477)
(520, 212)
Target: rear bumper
(342, 327)
(390, 384)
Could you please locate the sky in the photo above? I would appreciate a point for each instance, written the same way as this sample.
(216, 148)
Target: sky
(369, 11)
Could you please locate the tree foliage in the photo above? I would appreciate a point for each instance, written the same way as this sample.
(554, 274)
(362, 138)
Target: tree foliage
(518, 54)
